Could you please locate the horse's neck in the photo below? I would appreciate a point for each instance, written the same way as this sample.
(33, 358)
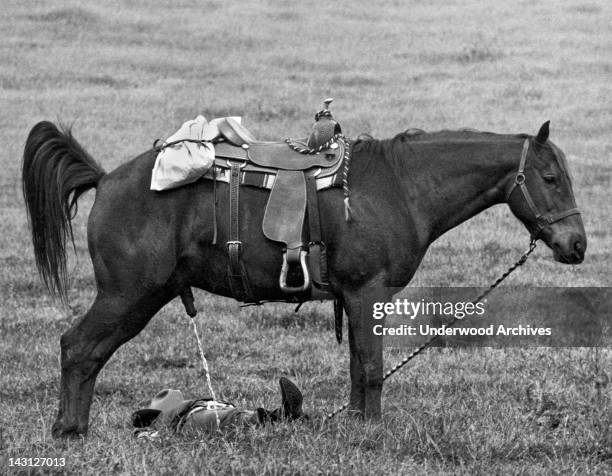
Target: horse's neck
(450, 184)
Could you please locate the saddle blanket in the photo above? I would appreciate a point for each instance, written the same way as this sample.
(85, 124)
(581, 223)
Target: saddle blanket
(185, 162)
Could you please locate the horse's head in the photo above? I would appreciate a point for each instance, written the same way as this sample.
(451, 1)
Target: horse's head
(541, 196)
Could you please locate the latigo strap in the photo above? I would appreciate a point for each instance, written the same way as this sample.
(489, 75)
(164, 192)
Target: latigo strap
(238, 278)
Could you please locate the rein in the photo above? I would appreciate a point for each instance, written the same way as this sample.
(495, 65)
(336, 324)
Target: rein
(206, 369)
(520, 262)
(542, 220)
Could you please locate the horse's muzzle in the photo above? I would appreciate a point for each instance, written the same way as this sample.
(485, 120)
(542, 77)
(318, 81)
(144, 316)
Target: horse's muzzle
(569, 248)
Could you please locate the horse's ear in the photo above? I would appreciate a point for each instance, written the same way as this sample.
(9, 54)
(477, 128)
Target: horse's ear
(542, 136)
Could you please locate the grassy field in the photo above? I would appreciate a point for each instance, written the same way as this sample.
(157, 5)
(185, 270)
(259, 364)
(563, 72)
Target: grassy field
(126, 73)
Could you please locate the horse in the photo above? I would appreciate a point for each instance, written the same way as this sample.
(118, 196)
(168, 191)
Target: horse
(147, 247)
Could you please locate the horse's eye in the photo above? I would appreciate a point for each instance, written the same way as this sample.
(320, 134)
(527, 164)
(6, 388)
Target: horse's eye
(549, 178)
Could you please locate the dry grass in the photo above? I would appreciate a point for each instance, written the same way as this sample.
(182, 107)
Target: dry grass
(129, 73)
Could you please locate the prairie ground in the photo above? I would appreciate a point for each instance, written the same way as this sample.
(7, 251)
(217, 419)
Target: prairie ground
(126, 73)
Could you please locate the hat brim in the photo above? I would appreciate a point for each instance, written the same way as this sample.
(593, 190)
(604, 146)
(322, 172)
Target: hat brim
(144, 417)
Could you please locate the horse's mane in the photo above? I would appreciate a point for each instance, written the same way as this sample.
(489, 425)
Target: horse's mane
(395, 149)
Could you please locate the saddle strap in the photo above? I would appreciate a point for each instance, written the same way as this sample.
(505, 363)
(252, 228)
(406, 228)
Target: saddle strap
(317, 253)
(238, 279)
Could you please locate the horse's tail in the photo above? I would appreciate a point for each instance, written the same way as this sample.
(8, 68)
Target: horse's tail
(56, 172)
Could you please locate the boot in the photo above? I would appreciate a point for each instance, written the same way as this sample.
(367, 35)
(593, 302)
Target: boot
(291, 398)
(291, 405)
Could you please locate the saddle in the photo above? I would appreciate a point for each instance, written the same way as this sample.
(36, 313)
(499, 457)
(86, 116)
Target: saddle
(293, 171)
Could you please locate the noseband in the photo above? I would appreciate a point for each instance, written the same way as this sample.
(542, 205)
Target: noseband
(542, 220)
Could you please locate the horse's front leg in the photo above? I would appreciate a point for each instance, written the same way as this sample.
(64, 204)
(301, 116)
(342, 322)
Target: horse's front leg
(366, 350)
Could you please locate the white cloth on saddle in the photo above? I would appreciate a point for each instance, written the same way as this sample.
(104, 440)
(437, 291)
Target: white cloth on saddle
(186, 162)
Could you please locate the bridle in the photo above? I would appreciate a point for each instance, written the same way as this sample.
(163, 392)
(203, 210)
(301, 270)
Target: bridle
(542, 220)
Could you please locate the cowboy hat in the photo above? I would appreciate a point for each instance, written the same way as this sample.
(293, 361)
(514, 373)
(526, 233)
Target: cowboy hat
(167, 403)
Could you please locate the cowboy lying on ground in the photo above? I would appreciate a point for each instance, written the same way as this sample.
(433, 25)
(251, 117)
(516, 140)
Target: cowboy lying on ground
(169, 409)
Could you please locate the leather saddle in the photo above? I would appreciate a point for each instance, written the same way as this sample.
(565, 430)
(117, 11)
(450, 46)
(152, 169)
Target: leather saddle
(293, 173)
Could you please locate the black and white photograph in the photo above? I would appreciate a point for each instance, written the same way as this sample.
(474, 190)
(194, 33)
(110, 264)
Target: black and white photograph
(270, 238)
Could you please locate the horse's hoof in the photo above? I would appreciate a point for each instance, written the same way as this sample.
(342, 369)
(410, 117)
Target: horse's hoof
(354, 413)
(61, 431)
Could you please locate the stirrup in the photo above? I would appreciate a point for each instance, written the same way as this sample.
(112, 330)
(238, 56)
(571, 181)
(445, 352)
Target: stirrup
(285, 269)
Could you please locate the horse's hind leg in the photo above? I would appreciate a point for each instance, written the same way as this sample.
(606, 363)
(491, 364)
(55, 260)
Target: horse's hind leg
(110, 322)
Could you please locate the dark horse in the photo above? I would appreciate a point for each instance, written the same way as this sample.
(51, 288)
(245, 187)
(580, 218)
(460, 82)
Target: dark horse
(147, 247)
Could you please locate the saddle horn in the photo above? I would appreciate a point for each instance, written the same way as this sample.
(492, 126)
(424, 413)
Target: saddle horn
(325, 126)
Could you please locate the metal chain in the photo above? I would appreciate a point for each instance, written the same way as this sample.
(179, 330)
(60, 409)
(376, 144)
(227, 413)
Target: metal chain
(428, 343)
